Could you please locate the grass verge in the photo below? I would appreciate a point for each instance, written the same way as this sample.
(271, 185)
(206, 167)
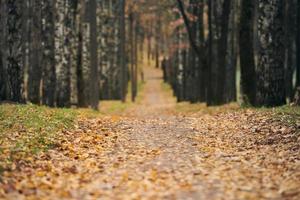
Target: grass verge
(26, 130)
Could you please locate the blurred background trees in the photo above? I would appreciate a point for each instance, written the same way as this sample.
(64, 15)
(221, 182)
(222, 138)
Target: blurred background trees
(77, 52)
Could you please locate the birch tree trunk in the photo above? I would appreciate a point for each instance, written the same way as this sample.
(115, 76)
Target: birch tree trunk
(63, 86)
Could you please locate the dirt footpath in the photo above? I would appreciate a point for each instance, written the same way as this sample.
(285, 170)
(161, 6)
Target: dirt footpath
(149, 153)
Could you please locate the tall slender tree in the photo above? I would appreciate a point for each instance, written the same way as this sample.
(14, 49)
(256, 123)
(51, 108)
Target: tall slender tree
(63, 83)
(298, 46)
(271, 85)
(202, 60)
(232, 54)
(48, 53)
(14, 50)
(2, 51)
(248, 74)
(94, 86)
(223, 45)
(81, 85)
(132, 64)
(35, 58)
(290, 33)
(122, 51)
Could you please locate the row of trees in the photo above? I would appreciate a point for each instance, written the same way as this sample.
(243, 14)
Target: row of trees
(215, 41)
(65, 52)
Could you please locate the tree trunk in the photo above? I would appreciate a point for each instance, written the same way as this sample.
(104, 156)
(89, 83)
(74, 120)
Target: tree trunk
(122, 51)
(223, 45)
(157, 42)
(14, 50)
(290, 30)
(202, 65)
(231, 58)
(248, 74)
(3, 76)
(298, 46)
(210, 93)
(48, 61)
(149, 42)
(94, 86)
(271, 85)
(63, 98)
(136, 59)
(35, 58)
(79, 65)
(191, 73)
(214, 50)
(132, 71)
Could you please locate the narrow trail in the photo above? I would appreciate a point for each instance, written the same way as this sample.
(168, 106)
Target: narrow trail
(164, 145)
(155, 102)
(150, 153)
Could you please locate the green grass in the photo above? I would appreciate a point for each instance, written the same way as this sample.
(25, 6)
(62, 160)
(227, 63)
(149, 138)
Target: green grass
(26, 130)
(140, 94)
(115, 107)
(290, 110)
(166, 87)
(201, 108)
(287, 114)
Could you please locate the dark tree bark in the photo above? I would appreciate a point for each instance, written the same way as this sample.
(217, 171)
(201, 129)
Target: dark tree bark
(94, 86)
(35, 58)
(157, 42)
(149, 37)
(232, 52)
(271, 85)
(202, 60)
(223, 45)
(132, 60)
(136, 41)
(48, 56)
(14, 50)
(210, 91)
(248, 74)
(3, 76)
(191, 72)
(290, 30)
(298, 46)
(122, 51)
(196, 71)
(81, 95)
(188, 26)
(215, 13)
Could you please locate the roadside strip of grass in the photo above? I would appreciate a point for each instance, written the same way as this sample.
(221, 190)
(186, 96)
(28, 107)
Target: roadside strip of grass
(26, 130)
(287, 114)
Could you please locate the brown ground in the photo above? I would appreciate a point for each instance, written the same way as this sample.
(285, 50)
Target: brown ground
(150, 153)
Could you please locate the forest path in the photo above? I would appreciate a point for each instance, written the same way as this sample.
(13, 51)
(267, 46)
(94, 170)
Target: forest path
(155, 101)
(150, 153)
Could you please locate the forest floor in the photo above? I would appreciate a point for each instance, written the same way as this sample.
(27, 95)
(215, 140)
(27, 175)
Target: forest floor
(154, 149)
